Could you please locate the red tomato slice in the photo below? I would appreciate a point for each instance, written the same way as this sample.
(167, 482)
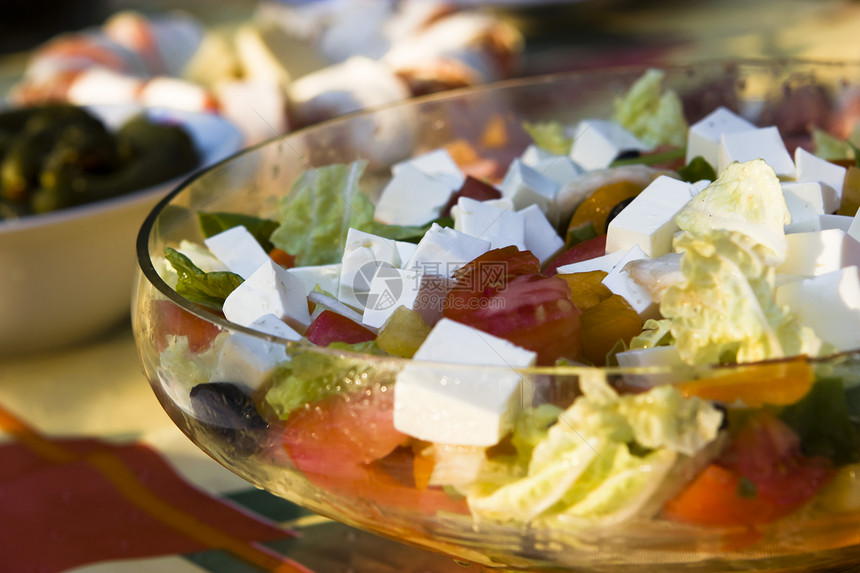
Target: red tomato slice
(583, 251)
(330, 327)
(767, 452)
(170, 319)
(335, 441)
(522, 306)
(761, 478)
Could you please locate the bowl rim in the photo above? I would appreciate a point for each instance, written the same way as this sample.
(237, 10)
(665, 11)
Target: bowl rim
(225, 148)
(150, 274)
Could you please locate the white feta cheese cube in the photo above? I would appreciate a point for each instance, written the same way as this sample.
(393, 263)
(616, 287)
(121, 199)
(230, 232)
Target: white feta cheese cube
(703, 138)
(597, 142)
(246, 359)
(649, 220)
(443, 250)
(461, 406)
(405, 250)
(390, 288)
(326, 277)
(502, 227)
(805, 200)
(819, 252)
(621, 283)
(525, 186)
(761, 143)
(541, 238)
(810, 167)
(664, 360)
(324, 302)
(534, 155)
(363, 255)
(603, 263)
(438, 164)
(559, 168)
(271, 324)
(412, 197)
(270, 290)
(829, 304)
(238, 250)
(854, 227)
(820, 223)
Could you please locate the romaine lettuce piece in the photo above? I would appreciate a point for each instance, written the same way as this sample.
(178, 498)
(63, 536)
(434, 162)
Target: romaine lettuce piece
(654, 116)
(206, 289)
(319, 210)
(549, 136)
(725, 309)
(747, 198)
(310, 376)
(605, 456)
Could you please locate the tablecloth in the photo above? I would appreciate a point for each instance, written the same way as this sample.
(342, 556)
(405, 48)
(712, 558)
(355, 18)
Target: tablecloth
(95, 478)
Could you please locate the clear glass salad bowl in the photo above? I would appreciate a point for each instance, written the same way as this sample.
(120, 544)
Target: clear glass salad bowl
(338, 454)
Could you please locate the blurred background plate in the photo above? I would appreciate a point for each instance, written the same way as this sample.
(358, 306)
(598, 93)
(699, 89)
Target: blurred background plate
(67, 275)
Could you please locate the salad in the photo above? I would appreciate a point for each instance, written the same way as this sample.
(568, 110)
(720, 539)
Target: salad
(710, 261)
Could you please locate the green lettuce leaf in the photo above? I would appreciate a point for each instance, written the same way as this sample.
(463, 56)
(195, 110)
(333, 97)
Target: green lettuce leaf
(724, 311)
(216, 222)
(319, 210)
(654, 116)
(311, 376)
(206, 289)
(604, 457)
(549, 136)
(747, 198)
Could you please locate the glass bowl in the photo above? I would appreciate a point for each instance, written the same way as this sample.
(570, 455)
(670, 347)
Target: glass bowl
(338, 456)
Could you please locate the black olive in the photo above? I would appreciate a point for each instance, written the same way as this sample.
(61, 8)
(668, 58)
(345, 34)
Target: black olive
(628, 154)
(617, 209)
(225, 413)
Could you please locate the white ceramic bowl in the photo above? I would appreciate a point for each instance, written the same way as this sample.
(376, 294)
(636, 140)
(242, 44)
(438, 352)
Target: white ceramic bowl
(66, 276)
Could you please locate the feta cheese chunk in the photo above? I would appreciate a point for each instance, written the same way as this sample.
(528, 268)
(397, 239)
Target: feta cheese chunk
(829, 304)
(363, 255)
(762, 143)
(649, 220)
(525, 186)
(597, 142)
(437, 164)
(819, 252)
(413, 197)
(804, 199)
(502, 227)
(389, 289)
(270, 290)
(665, 360)
(238, 250)
(443, 250)
(560, 168)
(621, 283)
(810, 167)
(249, 360)
(534, 155)
(461, 406)
(703, 139)
(602, 263)
(326, 277)
(541, 238)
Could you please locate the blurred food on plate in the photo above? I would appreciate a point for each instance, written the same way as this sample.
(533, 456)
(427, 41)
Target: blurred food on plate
(287, 66)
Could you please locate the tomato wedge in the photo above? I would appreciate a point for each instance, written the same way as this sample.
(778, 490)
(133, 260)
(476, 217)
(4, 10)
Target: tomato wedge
(595, 247)
(169, 319)
(761, 478)
(338, 443)
(517, 303)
